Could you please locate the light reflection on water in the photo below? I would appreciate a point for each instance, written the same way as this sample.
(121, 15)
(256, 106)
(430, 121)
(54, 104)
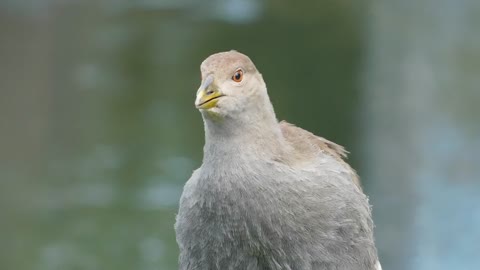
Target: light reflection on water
(158, 196)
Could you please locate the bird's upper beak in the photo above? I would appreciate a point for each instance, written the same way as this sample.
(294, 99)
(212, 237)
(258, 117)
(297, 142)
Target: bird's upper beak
(207, 94)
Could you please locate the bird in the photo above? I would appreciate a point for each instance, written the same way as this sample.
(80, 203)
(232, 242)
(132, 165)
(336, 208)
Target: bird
(269, 195)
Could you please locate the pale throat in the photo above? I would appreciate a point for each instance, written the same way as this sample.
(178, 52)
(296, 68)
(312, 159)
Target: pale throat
(254, 135)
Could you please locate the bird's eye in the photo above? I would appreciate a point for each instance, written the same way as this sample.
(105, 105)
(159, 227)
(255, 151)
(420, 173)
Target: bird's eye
(238, 76)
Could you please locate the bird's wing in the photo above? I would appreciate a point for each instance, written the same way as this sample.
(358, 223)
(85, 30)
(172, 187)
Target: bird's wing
(299, 136)
(308, 144)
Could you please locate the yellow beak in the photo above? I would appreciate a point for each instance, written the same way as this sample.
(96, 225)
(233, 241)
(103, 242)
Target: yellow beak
(207, 99)
(207, 95)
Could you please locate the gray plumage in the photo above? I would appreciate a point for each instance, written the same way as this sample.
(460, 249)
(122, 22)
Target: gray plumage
(268, 195)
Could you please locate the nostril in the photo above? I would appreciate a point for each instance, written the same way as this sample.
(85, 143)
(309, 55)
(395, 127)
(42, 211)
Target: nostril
(209, 92)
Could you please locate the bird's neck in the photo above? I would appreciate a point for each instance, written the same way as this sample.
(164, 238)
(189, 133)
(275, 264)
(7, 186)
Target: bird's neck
(247, 138)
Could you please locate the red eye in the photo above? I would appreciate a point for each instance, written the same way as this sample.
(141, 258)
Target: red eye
(238, 76)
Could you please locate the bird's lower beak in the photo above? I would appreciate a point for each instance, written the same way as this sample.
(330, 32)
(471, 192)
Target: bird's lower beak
(207, 99)
(207, 95)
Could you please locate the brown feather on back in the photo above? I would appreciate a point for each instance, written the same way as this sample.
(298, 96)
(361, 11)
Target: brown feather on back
(308, 144)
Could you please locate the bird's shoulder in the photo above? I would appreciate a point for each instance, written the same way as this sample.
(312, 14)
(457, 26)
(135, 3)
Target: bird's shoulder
(304, 140)
(308, 146)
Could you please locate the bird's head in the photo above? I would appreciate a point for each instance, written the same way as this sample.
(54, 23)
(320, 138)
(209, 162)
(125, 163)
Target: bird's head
(231, 86)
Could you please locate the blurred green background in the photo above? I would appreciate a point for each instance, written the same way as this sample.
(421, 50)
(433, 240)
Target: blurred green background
(98, 132)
